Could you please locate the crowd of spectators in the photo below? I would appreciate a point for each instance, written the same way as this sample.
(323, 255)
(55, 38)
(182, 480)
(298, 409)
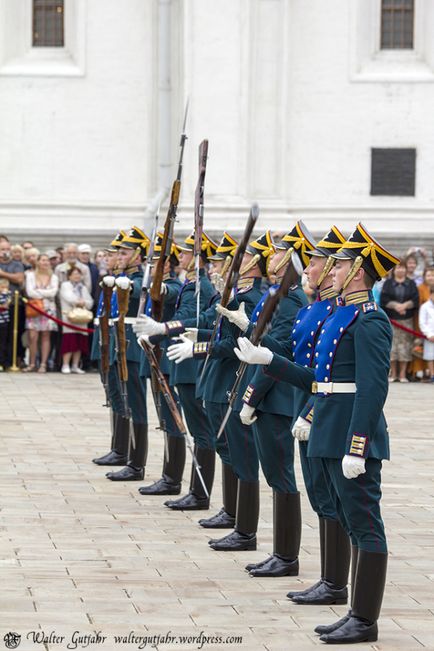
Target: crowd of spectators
(59, 281)
(55, 282)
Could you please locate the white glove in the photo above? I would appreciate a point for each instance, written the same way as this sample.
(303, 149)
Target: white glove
(123, 282)
(191, 333)
(218, 282)
(144, 339)
(301, 429)
(179, 352)
(237, 317)
(247, 415)
(352, 467)
(145, 325)
(247, 352)
(109, 281)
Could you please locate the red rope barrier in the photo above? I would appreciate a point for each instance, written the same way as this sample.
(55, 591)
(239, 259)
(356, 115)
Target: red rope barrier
(56, 320)
(399, 325)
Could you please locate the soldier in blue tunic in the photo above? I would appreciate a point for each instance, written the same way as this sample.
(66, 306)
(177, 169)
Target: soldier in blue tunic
(349, 431)
(174, 453)
(184, 376)
(334, 540)
(120, 424)
(269, 409)
(131, 251)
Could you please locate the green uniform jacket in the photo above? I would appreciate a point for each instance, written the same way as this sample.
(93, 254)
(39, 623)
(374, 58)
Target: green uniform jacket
(353, 346)
(223, 361)
(263, 392)
(173, 286)
(187, 372)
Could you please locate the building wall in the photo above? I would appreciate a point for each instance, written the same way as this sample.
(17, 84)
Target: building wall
(292, 95)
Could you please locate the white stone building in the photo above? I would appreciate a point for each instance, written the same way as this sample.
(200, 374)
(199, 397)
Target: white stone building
(292, 95)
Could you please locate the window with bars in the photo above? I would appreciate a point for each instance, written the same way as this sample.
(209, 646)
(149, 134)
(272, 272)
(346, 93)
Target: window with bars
(48, 23)
(397, 24)
(393, 172)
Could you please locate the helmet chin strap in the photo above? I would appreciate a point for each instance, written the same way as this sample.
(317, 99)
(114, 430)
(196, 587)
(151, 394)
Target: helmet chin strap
(352, 272)
(226, 264)
(286, 258)
(250, 264)
(325, 272)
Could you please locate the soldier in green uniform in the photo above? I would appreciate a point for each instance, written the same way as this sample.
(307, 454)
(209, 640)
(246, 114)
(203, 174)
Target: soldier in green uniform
(131, 251)
(241, 503)
(174, 453)
(349, 432)
(269, 408)
(120, 424)
(220, 263)
(184, 376)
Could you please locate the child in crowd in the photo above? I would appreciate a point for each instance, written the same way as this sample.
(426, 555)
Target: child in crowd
(426, 324)
(5, 300)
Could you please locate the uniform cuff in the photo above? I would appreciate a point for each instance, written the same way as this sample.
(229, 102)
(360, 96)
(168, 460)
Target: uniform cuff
(200, 349)
(358, 446)
(174, 328)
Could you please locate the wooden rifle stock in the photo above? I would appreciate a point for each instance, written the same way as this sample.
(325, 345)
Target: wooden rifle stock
(233, 273)
(289, 278)
(107, 293)
(123, 298)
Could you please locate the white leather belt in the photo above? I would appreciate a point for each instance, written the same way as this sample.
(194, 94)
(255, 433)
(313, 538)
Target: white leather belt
(333, 387)
(129, 320)
(96, 322)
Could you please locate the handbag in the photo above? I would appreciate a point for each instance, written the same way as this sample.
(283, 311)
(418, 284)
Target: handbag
(80, 315)
(31, 313)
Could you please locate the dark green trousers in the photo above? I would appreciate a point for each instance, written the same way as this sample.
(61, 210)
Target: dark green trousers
(357, 503)
(242, 449)
(275, 445)
(213, 412)
(317, 484)
(195, 416)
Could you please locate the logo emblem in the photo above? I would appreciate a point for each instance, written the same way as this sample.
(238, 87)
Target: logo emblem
(12, 640)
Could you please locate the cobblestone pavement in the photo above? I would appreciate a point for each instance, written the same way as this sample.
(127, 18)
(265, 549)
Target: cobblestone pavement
(80, 553)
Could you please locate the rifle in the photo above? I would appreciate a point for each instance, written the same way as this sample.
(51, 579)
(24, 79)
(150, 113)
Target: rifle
(121, 348)
(232, 278)
(104, 339)
(166, 244)
(271, 303)
(198, 220)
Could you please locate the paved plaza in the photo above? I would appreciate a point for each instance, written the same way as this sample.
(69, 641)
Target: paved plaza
(82, 554)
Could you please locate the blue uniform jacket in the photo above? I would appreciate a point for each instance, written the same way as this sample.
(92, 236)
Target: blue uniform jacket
(353, 346)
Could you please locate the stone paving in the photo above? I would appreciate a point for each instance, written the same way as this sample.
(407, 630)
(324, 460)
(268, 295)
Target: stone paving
(80, 553)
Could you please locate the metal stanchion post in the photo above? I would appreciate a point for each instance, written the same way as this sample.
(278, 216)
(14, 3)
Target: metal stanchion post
(14, 366)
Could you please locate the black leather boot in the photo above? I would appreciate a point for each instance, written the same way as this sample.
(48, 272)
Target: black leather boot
(368, 596)
(135, 468)
(333, 589)
(225, 518)
(173, 469)
(286, 537)
(119, 445)
(321, 527)
(322, 629)
(244, 536)
(196, 500)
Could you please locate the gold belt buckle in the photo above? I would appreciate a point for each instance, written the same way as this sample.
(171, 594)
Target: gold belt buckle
(315, 387)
